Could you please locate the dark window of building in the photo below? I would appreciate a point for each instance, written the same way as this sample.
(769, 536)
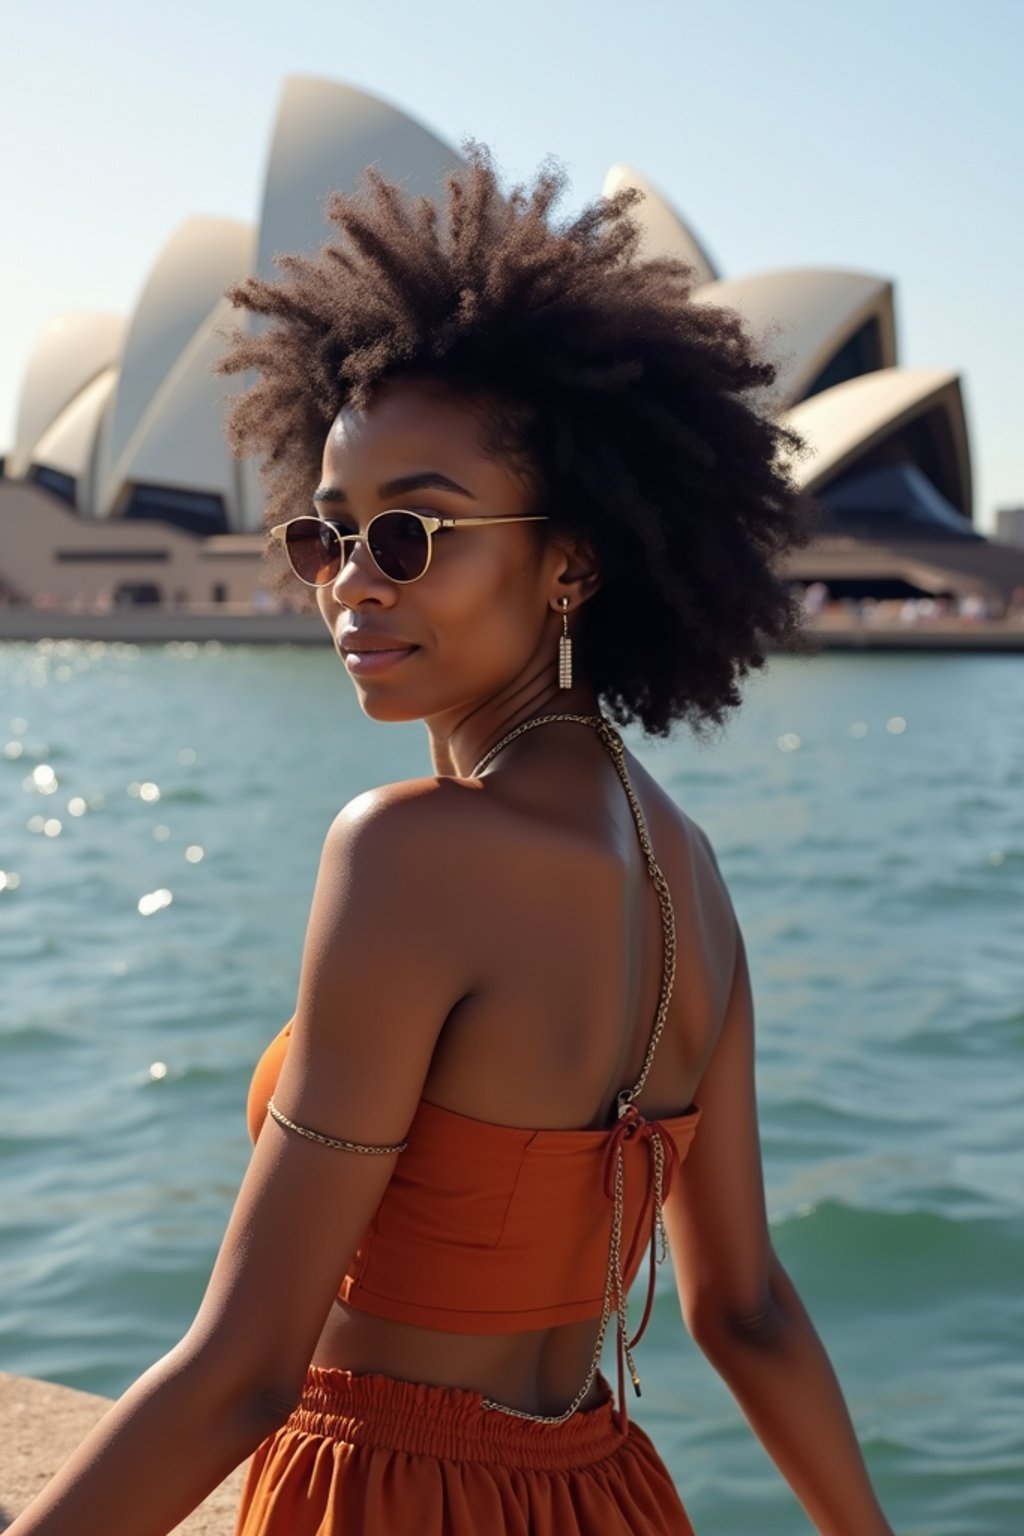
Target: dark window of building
(79, 556)
(192, 511)
(220, 592)
(137, 592)
(928, 443)
(894, 501)
(860, 353)
(53, 481)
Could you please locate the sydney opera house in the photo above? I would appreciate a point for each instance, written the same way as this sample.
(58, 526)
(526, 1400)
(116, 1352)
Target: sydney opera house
(120, 486)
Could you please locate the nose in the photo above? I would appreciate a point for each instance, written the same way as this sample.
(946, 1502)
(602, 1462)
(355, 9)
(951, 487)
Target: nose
(359, 581)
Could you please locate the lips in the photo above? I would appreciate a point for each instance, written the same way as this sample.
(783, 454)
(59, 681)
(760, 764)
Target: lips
(353, 643)
(365, 655)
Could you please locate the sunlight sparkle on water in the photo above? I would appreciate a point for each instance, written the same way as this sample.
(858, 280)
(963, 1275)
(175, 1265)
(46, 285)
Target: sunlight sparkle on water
(52, 827)
(144, 790)
(44, 779)
(194, 853)
(859, 728)
(13, 749)
(155, 901)
(9, 880)
(789, 742)
(896, 726)
(158, 1070)
(77, 806)
(161, 833)
(186, 757)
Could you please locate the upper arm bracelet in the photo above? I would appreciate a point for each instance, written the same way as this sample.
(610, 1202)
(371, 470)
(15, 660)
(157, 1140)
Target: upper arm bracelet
(332, 1141)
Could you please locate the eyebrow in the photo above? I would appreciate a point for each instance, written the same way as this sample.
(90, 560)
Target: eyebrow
(429, 480)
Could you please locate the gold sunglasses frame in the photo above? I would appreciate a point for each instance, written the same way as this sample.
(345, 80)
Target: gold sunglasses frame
(431, 525)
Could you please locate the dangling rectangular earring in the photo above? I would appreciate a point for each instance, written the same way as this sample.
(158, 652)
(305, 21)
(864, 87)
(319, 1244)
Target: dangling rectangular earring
(565, 649)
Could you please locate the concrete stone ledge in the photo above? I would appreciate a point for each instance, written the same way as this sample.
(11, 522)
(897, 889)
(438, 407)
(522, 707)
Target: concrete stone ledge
(41, 1424)
(152, 625)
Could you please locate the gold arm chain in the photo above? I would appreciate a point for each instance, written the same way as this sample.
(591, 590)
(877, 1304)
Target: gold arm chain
(332, 1141)
(614, 1290)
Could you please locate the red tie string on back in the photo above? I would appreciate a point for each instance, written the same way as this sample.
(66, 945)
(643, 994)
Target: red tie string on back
(633, 1125)
(663, 1159)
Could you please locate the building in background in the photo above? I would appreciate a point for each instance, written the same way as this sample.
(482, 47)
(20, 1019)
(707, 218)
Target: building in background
(1010, 525)
(120, 486)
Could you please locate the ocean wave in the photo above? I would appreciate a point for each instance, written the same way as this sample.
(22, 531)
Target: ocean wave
(922, 1242)
(186, 794)
(33, 1037)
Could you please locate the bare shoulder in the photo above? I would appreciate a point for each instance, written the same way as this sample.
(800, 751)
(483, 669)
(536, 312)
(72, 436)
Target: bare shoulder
(701, 840)
(415, 842)
(719, 901)
(404, 821)
(681, 829)
(390, 934)
(687, 854)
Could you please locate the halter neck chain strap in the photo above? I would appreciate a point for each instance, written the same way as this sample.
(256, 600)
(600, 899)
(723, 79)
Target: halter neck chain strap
(630, 1122)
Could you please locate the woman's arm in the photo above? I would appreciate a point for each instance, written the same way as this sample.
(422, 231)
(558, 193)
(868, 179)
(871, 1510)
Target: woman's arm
(380, 973)
(739, 1303)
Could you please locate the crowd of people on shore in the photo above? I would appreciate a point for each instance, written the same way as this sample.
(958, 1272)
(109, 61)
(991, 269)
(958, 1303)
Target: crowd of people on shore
(262, 601)
(820, 603)
(972, 607)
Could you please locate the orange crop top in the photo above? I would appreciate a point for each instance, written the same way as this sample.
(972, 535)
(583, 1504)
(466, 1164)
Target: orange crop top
(488, 1228)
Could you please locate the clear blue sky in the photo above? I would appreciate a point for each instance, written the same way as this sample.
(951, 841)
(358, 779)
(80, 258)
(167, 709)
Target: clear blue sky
(884, 135)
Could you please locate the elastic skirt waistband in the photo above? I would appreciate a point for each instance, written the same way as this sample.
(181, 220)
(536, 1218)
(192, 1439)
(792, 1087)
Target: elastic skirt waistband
(450, 1423)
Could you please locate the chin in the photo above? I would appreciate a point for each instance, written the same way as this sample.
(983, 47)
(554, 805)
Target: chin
(378, 707)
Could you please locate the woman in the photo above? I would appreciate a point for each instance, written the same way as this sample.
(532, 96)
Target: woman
(524, 476)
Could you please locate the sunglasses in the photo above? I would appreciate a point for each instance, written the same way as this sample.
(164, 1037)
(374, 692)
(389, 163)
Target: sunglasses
(400, 543)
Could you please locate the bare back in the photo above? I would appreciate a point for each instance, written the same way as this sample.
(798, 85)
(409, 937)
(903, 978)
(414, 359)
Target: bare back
(562, 946)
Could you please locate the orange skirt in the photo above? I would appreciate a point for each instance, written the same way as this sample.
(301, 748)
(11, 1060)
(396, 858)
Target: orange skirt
(370, 1455)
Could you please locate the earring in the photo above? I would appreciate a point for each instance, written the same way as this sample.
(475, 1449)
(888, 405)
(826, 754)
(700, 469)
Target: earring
(564, 648)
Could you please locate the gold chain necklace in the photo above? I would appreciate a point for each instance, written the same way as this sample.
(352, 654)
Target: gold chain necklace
(596, 721)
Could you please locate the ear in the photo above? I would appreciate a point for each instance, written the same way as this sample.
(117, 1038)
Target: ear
(576, 576)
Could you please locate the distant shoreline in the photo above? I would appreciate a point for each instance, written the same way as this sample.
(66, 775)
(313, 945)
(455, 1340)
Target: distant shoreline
(834, 631)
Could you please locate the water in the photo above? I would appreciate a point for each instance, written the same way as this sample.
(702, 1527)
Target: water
(869, 817)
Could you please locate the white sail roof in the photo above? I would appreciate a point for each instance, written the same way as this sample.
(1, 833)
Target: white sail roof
(72, 351)
(664, 231)
(802, 317)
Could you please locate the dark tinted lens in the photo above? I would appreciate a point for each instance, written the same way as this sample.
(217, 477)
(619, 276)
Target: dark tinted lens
(314, 550)
(399, 544)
